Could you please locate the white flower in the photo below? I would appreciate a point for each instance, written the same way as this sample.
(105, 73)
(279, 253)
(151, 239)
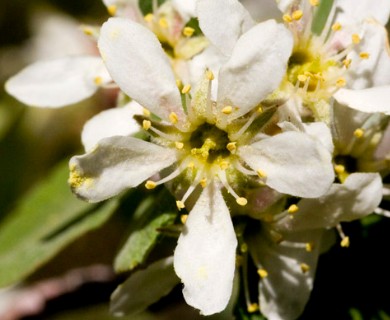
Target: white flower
(213, 144)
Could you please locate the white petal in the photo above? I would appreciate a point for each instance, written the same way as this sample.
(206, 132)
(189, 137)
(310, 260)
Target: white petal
(357, 197)
(109, 123)
(284, 293)
(186, 8)
(320, 132)
(223, 22)
(366, 100)
(117, 163)
(205, 254)
(138, 64)
(143, 288)
(263, 10)
(126, 9)
(57, 83)
(256, 67)
(294, 163)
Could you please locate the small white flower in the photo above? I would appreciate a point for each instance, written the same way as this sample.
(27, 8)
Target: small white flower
(212, 145)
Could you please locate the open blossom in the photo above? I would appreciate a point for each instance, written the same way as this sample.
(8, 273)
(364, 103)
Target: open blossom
(208, 145)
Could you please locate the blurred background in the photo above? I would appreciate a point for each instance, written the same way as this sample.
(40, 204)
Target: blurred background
(349, 282)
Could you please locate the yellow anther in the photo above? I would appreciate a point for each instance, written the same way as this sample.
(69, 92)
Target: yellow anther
(146, 112)
(179, 145)
(186, 89)
(287, 18)
(297, 15)
(292, 209)
(227, 110)
(253, 307)
(262, 273)
(173, 118)
(358, 133)
(150, 185)
(146, 124)
(336, 27)
(188, 31)
(88, 31)
(347, 63)
(364, 55)
(304, 267)
(302, 78)
(260, 109)
(231, 146)
(241, 201)
(355, 38)
(183, 218)
(339, 168)
(345, 242)
(149, 17)
(223, 164)
(163, 22)
(244, 248)
(315, 3)
(112, 9)
(341, 82)
(261, 173)
(191, 165)
(180, 205)
(179, 84)
(210, 75)
(98, 80)
(309, 247)
(203, 183)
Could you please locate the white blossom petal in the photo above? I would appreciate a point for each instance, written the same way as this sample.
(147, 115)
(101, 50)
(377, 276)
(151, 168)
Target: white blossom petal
(263, 10)
(320, 132)
(357, 197)
(124, 8)
(143, 288)
(256, 67)
(294, 163)
(284, 292)
(186, 8)
(116, 164)
(109, 123)
(137, 63)
(223, 22)
(367, 100)
(204, 258)
(57, 83)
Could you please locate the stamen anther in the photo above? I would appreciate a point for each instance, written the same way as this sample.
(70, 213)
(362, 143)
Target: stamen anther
(180, 205)
(173, 118)
(188, 31)
(231, 146)
(364, 55)
(242, 201)
(262, 273)
(356, 38)
(227, 110)
(150, 185)
(304, 267)
(146, 124)
(149, 17)
(336, 27)
(179, 145)
(297, 15)
(261, 173)
(186, 89)
(339, 168)
(359, 133)
(292, 209)
(112, 9)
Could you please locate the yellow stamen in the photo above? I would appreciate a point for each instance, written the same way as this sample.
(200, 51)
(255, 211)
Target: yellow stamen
(173, 118)
(261, 173)
(253, 307)
(112, 9)
(304, 267)
(203, 183)
(150, 185)
(341, 82)
(355, 38)
(186, 89)
(297, 15)
(209, 75)
(227, 110)
(364, 55)
(146, 112)
(292, 209)
(302, 78)
(260, 109)
(345, 242)
(88, 31)
(179, 145)
(309, 247)
(179, 84)
(163, 22)
(231, 146)
(149, 17)
(146, 124)
(287, 18)
(358, 133)
(262, 273)
(336, 27)
(241, 201)
(224, 164)
(191, 165)
(188, 31)
(339, 168)
(180, 205)
(183, 218)
(314, 3)
(244, 248)
(347, 63)
(98, 80)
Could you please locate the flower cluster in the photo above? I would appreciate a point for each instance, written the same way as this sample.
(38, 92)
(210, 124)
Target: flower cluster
(286, 118)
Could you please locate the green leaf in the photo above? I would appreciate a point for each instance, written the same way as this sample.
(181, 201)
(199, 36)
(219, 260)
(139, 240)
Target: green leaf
(355, 314)
(144, 233)
(46, 220)
(321, 16)
(146, 6)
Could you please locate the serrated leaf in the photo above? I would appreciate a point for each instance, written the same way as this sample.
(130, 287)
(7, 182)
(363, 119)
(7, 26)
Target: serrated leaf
(46, 220)
(145, 224)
